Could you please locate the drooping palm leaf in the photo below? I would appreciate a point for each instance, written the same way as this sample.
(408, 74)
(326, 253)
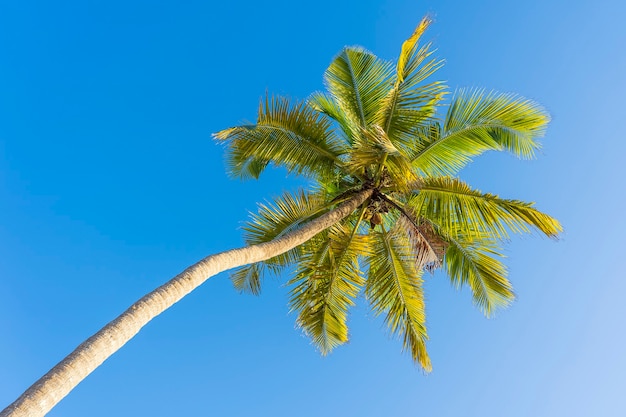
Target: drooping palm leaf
(474, 262)
(428, 247)
(453, 205)
(248, 279)
(394, 288)
(327, 281)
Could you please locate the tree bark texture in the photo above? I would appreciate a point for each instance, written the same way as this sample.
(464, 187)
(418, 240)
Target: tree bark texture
(44, 394)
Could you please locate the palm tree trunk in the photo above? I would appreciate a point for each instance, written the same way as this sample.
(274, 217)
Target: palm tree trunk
(60, 380)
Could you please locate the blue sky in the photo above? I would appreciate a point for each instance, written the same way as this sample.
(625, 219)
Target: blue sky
(110, 185)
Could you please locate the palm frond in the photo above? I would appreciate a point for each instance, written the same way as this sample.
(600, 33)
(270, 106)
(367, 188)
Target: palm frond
(473, 262)
(247, 279)
(428, 247)
(404, 112)
(408, 105)
(358, 81)
(394, 287)
(290, 135)
(477, 122)
(409, 47)
(513, 122)
(324, 103)
(327, 281)
(453, 205)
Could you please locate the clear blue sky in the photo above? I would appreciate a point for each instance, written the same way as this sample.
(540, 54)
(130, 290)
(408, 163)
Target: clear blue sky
(110, 185)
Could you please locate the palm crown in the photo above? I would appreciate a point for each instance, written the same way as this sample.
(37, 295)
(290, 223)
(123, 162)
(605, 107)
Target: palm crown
(377, 128)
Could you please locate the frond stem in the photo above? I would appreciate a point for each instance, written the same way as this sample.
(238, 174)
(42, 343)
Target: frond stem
(356, 90)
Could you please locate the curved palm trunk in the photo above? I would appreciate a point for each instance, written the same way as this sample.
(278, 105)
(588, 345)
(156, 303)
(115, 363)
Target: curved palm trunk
(60, 380)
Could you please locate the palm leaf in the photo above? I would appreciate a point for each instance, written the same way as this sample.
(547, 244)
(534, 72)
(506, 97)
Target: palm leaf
(394, 288)
(408, 104)
(324, 103)
(358, 81)
(428, 247)
(473, 262)
(409, 47)
(477, 122)
(453, 205)
(404, 112)
(293, 136)
(327, 281)
(247, 279)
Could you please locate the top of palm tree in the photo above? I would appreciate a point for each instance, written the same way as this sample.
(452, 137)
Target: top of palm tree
(377, 127)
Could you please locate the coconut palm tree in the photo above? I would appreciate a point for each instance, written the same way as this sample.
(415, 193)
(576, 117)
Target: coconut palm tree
(383, 206)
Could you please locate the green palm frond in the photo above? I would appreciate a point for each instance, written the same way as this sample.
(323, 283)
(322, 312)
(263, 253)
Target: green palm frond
(326, 104)
(247, 279)
(477, 122)
(327, 281)
(473, 262)
(404, 112)
(358, 81)
(408, 104)
(290, 135)
(453, 205)
(514, 122)
(394, 287)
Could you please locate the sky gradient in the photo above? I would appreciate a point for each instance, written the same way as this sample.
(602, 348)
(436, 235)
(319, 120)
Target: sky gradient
(110, 185)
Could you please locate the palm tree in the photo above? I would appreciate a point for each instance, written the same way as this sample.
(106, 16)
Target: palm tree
(383, 206)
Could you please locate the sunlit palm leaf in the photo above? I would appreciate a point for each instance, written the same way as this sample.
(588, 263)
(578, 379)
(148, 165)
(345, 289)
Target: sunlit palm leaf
(405, 112)
(408, 49)
(408, 104)
(294, 136)
(473, 262)
(358, 81)
(394, 287)
(328, 279)
(350, 126)
(248, 279)
(477, 122)
(513, 122)
(452, 204)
